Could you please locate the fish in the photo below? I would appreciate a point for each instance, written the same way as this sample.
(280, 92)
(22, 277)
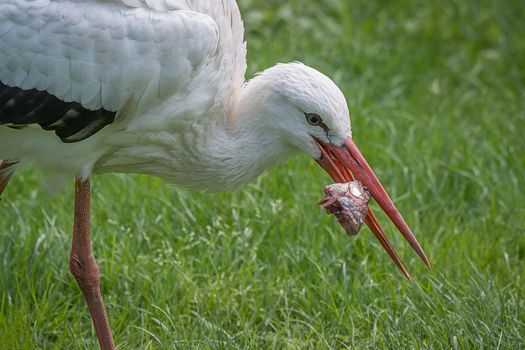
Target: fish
(348, 202)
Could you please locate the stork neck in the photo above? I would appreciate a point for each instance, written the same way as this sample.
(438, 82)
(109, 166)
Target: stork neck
(214, 154)
(240, 150)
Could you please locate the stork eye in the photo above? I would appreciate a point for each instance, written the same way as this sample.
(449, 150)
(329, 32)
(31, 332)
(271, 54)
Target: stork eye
(313, 119)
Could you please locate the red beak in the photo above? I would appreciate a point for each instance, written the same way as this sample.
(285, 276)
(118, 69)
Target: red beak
(346, 163)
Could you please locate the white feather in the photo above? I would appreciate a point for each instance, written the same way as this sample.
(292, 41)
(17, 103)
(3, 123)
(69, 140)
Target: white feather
(101, 46)
(173, 70)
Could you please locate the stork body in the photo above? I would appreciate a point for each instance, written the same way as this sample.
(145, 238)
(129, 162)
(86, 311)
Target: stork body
(168, 74)
(157, 87)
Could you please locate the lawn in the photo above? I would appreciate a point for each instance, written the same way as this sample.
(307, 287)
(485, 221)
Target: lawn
(436, 91)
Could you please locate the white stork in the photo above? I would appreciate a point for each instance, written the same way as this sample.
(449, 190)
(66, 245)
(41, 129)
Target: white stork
(157, 87)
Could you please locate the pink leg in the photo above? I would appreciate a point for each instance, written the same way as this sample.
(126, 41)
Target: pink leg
(84, 268)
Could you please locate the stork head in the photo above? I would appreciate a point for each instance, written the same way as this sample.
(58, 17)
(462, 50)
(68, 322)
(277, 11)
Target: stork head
(310, 114)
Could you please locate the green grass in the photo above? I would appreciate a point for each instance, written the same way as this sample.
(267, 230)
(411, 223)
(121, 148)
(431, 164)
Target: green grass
(436, 91)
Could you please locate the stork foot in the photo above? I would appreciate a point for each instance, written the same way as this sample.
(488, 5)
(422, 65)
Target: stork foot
(84, 268)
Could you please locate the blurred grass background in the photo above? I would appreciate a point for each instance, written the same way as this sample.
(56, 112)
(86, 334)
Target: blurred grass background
(436, 91)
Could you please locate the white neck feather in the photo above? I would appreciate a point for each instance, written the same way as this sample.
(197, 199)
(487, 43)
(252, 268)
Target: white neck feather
(215, 154)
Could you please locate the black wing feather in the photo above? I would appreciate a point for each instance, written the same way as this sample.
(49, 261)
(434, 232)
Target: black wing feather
(69, 120)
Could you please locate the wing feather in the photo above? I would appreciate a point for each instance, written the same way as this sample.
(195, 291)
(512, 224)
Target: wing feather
(157, 64)
(100, 54)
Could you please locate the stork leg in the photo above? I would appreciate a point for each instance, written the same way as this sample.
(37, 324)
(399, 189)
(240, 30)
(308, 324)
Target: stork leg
(84, 268)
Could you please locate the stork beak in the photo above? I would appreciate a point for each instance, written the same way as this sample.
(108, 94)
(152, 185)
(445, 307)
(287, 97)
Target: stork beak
(345, 163)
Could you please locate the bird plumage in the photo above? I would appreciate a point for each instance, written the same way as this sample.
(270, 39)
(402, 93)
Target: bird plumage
(160, 65)
(173, 74)
(70, 121)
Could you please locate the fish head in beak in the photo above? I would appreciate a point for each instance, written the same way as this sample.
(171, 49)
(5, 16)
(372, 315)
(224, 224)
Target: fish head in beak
(345, 163)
